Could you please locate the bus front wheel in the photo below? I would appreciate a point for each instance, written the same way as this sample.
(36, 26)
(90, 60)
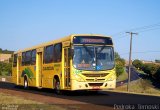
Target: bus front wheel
(57, 86)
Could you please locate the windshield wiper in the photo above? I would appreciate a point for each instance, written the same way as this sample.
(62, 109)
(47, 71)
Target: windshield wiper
(101, 49)
(87, 50)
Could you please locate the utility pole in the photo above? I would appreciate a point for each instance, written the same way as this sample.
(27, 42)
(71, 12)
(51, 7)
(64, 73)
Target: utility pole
(130, 55)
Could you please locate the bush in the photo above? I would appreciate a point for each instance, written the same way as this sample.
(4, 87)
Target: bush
(150, 69)
(138, 64)
(5, 68)
(119, 69)
(157, 74)
(120, 63)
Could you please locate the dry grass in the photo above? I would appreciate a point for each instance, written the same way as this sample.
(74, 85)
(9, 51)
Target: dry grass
(140, 86)
(7, 78)
(8, 99)
(122, 77)
(9, 102)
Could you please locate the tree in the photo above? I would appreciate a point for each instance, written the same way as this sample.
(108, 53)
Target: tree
(120, 63)
(6, 51)
(157, 61)
(0, 50)
(119, 68)
(117, 56)
(5, 68)
(150, 69)
(157, 74)
(137, 63)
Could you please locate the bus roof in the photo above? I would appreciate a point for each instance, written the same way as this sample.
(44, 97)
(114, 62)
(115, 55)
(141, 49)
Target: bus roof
(57, 41)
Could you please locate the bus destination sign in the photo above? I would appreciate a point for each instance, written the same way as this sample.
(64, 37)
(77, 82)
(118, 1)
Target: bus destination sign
(92, 40)
(87, 40)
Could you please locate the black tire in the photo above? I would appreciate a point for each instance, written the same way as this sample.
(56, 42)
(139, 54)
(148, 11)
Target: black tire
(25, 83)
(57, 87)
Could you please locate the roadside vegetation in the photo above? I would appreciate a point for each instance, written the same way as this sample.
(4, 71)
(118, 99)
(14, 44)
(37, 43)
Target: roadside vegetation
(149, 79)
(6, 51)
(120, 68)
(140, 86)
(6, 68)
(9, 99)
(151, 69)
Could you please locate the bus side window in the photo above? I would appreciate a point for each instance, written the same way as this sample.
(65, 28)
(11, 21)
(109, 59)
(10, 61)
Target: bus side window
(58, 52)
(28, 58)
(15, 60)
(33, 57)
(48, 54)
(23, 58)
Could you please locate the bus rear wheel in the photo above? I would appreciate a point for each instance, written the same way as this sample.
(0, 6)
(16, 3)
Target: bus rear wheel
(25, 83)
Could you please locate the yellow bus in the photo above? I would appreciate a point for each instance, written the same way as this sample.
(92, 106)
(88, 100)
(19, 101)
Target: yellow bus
(75, 62)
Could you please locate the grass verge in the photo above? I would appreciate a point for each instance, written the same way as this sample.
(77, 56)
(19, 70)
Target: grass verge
(8, 102)
(7, 78)
(140, 86)
(122, 77)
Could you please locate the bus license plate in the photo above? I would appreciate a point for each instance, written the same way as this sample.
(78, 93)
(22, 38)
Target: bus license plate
(95, 87)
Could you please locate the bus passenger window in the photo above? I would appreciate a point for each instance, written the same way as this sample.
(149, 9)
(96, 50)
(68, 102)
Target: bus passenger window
(58, 52)
(28, 58)
(33, 59)
(23, 58)
(15, 60)
(48, 54)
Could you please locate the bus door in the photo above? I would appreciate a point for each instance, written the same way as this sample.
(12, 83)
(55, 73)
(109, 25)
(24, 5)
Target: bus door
(18, 69)
(66, 66)
(39, 69)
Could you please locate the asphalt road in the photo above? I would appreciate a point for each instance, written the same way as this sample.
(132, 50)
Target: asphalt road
(133, 76)
(101, 100)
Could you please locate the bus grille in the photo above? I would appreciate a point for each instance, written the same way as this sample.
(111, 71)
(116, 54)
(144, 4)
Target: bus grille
(91, 80)
(95, 75)
(95, 84)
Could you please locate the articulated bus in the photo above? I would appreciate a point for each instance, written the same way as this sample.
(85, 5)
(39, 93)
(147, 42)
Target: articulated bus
(75, 62)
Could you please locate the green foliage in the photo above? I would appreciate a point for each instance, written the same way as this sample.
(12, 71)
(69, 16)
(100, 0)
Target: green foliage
(153, 70)
(137, 63)
(117, 56)
(120, 63)
(150, 69)
(157, 61)
(6, 51)
(119, 69)
(157, 74)
(5, 68)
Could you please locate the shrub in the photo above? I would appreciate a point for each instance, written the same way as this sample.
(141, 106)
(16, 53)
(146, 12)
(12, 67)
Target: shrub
(157, 74)
(120, 63)
(137, 64)
(5, 68)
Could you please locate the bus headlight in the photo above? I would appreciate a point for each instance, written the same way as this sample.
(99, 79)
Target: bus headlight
(111, 78)
(79, 78)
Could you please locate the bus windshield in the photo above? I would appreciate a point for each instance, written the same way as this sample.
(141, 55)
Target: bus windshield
(93, 57)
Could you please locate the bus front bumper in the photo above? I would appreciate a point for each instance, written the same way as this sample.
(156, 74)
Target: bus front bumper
(76, 85)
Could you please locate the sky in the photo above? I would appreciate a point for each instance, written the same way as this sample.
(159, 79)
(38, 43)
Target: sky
(25, 23)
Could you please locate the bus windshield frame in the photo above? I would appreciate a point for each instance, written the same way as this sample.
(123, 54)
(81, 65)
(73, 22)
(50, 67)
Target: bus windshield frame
(93, 57)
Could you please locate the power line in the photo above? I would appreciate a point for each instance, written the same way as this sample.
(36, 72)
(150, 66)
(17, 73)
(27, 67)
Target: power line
(146, 27)
(142, 52)
(148, 30)
(140, 29)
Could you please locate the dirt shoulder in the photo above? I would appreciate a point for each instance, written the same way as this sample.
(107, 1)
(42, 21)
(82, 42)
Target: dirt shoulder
(48, 98)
